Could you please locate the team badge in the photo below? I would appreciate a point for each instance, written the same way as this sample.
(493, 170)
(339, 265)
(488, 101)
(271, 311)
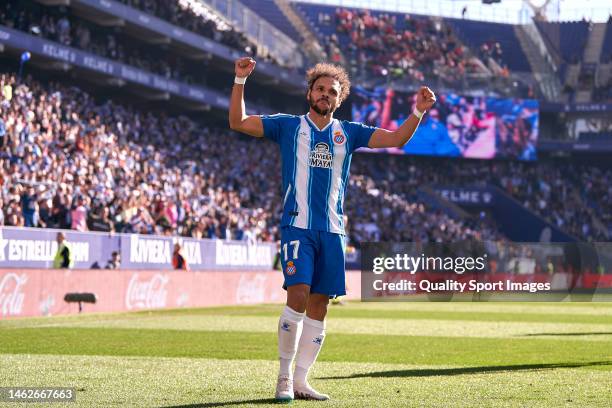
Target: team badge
(290, 268)
(338, 137)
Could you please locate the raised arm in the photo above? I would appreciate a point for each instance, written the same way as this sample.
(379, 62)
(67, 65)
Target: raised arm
(384, 138)
(238, 119)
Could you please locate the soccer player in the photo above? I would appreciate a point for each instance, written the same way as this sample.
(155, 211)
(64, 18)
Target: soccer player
(316, 152)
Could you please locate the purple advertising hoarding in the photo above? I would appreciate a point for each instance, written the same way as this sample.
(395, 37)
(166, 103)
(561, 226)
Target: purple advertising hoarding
(36, 248)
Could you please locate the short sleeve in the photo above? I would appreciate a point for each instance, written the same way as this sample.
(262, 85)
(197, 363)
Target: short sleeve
(358, 134)
(273, 125)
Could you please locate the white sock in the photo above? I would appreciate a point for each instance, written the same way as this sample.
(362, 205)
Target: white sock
(310, 344)
(289, 329)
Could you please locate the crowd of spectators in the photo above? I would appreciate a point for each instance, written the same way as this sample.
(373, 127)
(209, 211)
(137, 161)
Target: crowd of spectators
(195, 17)
(59, 25)
(413, 48)
(406, 50)
(378, 211)
(492, 51)
(577, 198)
(68, 162)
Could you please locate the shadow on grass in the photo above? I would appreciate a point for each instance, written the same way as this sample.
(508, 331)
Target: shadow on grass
(466, 370)
(262, 401)
(567, 334)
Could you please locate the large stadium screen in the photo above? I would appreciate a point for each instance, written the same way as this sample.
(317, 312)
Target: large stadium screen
(458, 126)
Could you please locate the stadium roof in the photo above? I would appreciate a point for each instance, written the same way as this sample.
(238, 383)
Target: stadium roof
(507, 11)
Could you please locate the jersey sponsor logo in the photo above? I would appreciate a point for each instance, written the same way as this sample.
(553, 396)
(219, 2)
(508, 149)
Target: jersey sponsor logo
(291, 269)
(339, 137)
(320, 156)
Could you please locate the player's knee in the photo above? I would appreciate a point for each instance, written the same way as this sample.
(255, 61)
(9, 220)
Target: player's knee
(297, 297)
(317, 307)
(297, 303)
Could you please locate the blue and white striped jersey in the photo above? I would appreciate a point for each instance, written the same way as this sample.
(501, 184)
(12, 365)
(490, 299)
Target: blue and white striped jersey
(315, 166)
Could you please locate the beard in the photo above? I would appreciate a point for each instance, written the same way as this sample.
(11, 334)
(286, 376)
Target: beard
(315, 107)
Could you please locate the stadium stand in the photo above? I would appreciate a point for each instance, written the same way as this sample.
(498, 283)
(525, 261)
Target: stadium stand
(185, 17)
(575, 197)
(512, 54)
(241, 32)
(270, 11)
(404, 48)
(57, 140)
(72, 162)
(58, 24)
(400, 46)
(606, 52)
(566, 39)
(85, 159)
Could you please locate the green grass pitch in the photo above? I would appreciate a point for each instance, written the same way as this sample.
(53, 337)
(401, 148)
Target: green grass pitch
(375, 355)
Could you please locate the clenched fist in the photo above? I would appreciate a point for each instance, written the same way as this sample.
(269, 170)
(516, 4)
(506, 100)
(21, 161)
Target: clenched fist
(244, 66)
(425, 99)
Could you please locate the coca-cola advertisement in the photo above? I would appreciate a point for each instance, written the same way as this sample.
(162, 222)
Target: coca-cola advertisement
(147, 293)
(40, 292)
(12, 293)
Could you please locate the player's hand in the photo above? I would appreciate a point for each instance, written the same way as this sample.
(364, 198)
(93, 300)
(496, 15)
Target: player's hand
(425, 99)
(244, 66)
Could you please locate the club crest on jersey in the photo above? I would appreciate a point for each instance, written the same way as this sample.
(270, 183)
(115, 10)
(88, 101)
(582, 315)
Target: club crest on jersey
(290, 268)
(339, 137)
(320, 156)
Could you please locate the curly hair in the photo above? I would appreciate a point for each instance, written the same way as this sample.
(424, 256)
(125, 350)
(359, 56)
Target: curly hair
(333, 71)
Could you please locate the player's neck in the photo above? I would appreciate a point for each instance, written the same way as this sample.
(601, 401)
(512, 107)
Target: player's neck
(320, 120)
